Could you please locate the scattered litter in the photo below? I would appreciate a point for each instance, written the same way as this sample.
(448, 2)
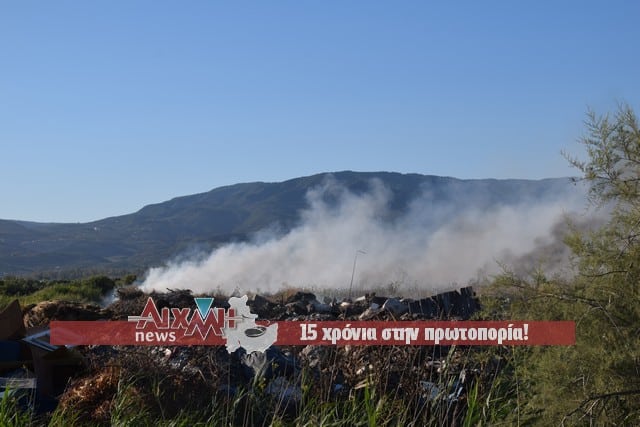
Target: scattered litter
(373, 310)
(431, 390)
(395, 307)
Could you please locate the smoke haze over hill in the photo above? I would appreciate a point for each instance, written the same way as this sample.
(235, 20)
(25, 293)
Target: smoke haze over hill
(431, 246)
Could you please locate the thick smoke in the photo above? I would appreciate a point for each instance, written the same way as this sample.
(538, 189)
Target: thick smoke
(432, 247)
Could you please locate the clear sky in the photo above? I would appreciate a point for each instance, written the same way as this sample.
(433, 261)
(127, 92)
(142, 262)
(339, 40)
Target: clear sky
(106, 106)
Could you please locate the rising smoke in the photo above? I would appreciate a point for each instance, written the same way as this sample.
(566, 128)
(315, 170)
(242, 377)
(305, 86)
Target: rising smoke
(431, 246)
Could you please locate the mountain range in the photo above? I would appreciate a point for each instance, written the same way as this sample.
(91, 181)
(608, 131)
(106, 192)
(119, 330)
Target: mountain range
(159, 232)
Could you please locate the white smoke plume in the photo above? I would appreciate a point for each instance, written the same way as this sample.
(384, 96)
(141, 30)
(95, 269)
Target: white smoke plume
(431, 247)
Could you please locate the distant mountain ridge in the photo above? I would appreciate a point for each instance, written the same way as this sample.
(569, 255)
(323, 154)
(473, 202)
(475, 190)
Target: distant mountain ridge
(159, 232)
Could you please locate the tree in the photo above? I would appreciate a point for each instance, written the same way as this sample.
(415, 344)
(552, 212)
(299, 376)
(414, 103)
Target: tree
(613, 168)
(597, 381)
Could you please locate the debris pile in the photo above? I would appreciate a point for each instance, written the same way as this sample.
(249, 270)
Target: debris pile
(457, 304)
(98, 381)
(30, 367)
(37, 315)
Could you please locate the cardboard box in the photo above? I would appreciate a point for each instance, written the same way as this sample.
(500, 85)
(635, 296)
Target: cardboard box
(11, 323)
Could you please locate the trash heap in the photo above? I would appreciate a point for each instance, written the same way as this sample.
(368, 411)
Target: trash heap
(95, 381)
(32, 369)
(458, 304)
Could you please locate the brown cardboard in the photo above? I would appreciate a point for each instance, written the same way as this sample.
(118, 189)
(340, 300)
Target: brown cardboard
(54, 368)
(11, 323)
(53, 365)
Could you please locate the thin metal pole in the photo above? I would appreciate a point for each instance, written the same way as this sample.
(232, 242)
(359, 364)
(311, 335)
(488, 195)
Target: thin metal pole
(353, 272)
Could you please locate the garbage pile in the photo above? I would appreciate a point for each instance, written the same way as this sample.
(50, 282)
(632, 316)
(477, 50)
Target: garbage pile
(95, 381)
(30, 367)
(458, 304)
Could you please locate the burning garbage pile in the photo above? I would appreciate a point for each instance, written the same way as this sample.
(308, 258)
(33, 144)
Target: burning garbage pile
(100, 384)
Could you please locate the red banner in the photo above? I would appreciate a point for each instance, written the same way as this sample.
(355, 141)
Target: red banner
(325, 333)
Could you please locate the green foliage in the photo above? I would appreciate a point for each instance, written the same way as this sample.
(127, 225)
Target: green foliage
(129, 279)
(597, 381)
(11, 415)
(18, 286)
(29, 291)
(613, 167)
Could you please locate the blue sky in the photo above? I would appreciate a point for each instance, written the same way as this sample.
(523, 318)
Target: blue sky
(107, 106)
